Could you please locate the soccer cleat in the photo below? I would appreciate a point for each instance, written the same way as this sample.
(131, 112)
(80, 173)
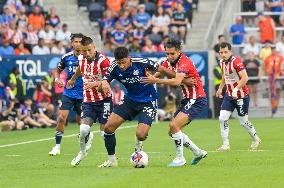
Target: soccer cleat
(177, 162)
(89, 142)
(108, 163)
(55, 151)
(76, 161)
(202, 155)
(255, 144)
(224, 148)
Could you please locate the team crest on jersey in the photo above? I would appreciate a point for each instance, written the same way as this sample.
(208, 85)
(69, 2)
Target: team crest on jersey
(135, 72)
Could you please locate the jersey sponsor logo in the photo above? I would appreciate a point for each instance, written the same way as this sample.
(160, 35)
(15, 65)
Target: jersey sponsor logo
(135, 72)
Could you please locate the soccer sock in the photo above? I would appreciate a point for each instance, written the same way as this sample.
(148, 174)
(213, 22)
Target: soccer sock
(251, 130)
(102, 134)
(190, 145)
(84, 136)
(138, 144)
(178, 141)
(224, 127)
(110, 143)
(58, 137)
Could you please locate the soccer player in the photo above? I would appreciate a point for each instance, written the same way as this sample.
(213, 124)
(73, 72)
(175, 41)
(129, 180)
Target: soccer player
(96, 105)
(193, 103)
(235, 77)
(138, 101)
(72, 97)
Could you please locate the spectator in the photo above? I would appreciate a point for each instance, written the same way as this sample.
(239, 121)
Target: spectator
(135, 46)
(17, 84)
(36, 19)
(187, 4)
(15, 35)
(30, 37)
(125, 21)
(114, 5)
(40, 49)
(21, 19)
(253, 70)
(170, 106)
(119, 37)
(117, 95)
(107, 24)
(265, 51)
(252, 46)
(138, 33)
(280, 46)
(275, 7)
(14, 5)
(53, 19)
(273, 63)
(161, 22)
(58, 48)
(267, 30)
(43, 94)
(21, 50)
(179, 22)
(221, 39)
(149, 47)
(248, 5)
(63, 35)
(6, 49)
(48, 35)
(237, 32)
(142, 18)
(7, 16)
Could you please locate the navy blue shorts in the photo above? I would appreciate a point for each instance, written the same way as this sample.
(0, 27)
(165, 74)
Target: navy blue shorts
(69, 103)
(144, 111)
(230, 104)
(97, 110)
(192, 107)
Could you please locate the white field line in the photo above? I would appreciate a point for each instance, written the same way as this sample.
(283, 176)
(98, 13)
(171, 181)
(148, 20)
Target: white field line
(52, 138)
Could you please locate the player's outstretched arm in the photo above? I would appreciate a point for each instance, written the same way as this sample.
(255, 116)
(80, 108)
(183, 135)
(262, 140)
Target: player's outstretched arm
(165, 72)
(150, 79)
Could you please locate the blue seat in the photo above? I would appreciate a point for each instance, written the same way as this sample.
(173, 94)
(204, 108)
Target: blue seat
(96, 11)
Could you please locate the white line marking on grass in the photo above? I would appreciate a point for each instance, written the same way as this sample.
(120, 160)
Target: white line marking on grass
(51, 138)
(12, 155)
(239, 150)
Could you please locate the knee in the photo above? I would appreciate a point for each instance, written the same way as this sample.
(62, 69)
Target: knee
(141, 136)
(84, 130)
(224, 116)
(174, 127)
(108, 129)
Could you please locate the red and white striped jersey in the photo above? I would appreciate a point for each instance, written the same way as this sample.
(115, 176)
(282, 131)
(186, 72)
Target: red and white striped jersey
(94, 71)
(230, 70)
(185, 65)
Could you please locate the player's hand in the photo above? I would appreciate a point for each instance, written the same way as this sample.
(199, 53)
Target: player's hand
(219, 93)
(70, 84)
(59, 82)
(149, 79)
(90, 85)
(235, 93)
(190, 81)
(105, 87)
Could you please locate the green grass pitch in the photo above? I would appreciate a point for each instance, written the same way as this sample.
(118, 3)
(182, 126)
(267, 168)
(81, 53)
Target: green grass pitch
(29, 165)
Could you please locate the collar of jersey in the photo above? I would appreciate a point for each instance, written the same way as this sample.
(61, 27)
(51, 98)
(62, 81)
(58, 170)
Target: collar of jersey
(176, 61)
(230, 58)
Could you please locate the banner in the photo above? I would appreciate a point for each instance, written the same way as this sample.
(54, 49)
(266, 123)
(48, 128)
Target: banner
(33, 68)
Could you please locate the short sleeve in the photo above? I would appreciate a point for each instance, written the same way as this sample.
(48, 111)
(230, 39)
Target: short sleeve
(110, 73)
(105, 66)
(238, 65)
(61, 65)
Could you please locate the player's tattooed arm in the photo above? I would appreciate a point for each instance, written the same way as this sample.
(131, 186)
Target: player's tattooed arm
(71, 82)
(220, 89)
(163, 71)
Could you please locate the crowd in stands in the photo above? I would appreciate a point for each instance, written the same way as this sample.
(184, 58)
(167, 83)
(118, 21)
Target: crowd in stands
(26, 28)
(142, 25)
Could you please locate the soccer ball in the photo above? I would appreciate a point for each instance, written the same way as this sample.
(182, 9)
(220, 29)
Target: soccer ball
(139, 159)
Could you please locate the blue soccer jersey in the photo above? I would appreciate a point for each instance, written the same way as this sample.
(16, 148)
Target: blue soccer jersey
(131, 78)
(70, 62)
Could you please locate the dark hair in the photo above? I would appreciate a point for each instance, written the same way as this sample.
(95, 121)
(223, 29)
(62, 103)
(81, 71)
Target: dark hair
(173, 43)
(86, 41)
(120, 53)
(226, 44)
(76, 35)
(220, 36)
